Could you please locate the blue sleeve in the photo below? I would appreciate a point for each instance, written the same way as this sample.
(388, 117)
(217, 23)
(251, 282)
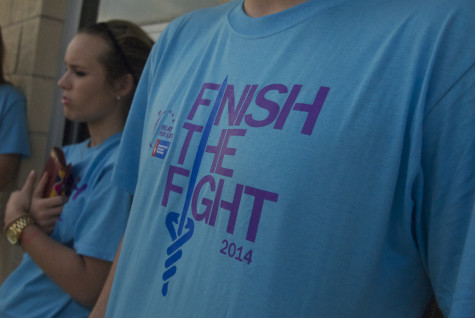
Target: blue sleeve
(447, 228)
(100, 227)
(126, 167)
(13, 125)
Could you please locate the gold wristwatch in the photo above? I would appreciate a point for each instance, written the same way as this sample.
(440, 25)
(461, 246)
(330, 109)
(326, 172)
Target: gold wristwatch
(14, 230)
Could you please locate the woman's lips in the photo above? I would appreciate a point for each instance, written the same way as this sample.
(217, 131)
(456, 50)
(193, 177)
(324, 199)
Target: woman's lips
(65, 100)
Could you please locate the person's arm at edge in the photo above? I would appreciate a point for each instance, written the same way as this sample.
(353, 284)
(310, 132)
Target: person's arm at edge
(100, 308)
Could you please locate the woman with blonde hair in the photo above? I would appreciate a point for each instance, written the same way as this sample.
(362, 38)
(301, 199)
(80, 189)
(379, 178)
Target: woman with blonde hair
(70, 242)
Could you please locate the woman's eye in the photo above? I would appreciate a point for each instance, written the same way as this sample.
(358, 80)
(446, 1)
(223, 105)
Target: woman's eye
(78, 73)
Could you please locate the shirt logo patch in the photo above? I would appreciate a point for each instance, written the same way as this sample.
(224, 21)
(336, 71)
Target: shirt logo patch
(162, 134)
(161, 148)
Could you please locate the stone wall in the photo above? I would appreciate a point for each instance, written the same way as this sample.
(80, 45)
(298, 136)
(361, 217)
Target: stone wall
(32, 31)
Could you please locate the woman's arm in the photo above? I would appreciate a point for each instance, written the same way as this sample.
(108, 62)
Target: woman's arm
(100, 308)
(80, 276)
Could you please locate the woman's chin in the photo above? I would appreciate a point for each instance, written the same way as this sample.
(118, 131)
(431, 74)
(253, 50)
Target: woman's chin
(72, 117)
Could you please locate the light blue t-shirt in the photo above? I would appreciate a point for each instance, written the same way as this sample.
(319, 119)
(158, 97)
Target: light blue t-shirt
(13, 127)
(318, 162)
(92, 223)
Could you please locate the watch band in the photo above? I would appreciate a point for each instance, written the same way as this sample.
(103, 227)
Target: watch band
(16, 227)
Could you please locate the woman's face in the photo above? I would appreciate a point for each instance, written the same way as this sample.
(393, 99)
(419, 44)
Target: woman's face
(87, 95)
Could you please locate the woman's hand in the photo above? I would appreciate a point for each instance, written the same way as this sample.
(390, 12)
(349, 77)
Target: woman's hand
(19, 202)
(46, 211)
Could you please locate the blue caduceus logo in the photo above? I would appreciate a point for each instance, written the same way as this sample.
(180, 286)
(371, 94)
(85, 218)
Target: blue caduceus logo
(175, 222)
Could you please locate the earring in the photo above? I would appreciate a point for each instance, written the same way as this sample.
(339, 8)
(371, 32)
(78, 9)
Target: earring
(118, 97)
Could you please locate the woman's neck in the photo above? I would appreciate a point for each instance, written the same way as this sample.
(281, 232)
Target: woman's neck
(101, 131)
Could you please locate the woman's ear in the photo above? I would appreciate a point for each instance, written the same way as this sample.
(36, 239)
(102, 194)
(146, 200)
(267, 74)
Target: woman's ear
(125, 85)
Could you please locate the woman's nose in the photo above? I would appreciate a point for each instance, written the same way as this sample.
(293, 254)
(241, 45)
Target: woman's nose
(63, 82)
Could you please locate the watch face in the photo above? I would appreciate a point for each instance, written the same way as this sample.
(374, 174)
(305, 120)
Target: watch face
(12, 236)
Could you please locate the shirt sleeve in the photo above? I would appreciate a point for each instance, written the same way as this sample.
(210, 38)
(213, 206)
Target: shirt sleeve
(447, 233)
(100, 227)
(13, 125)
(126, 167)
